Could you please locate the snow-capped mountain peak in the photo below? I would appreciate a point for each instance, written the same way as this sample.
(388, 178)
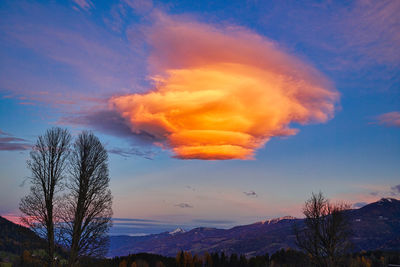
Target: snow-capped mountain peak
(177, 231)
(386, 200)
(275, 220)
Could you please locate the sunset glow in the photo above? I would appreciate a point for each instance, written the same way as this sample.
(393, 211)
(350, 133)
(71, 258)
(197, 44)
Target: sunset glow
(213, 113)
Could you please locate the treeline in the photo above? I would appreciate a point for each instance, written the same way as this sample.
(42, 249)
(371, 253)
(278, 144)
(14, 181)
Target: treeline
(281, 258)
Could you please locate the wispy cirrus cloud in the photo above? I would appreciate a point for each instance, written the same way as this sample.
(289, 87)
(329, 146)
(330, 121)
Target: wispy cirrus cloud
(211, 222)
(390, 119)
(129, 152)
(371, 31)
(361, 33)
(84, 4)
(138, 227)
(140, 6)
(222, 92)
(353, 40)
(117, 219)
(4, 133)
(73, 63)
(9, 142)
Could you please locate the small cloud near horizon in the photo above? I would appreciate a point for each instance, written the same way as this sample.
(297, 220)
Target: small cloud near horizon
(250, 193)
(190, 188)
(183, 205)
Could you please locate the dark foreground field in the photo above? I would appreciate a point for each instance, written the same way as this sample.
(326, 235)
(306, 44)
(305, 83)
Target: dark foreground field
(282, 258)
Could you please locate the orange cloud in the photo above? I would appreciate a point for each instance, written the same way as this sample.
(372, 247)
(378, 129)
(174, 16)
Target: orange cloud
(222, 93)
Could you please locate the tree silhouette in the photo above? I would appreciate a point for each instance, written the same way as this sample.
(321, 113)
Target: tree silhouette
(48, 160)
(87, 209)
(326, 235)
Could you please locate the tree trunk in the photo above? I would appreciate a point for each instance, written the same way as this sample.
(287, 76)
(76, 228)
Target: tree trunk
(74, 247)
(76, 234)
(50, 239)
(50, 235)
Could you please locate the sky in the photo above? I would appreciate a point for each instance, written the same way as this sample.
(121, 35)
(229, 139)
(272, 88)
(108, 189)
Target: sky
(214, 113)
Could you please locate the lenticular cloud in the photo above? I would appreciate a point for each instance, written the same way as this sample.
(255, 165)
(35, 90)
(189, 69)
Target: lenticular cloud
(222, 93)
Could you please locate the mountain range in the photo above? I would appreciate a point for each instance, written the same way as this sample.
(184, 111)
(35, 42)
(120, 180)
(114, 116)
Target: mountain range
(375, 226)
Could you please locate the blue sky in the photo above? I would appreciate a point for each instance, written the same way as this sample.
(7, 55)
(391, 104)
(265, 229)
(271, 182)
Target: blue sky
(62, 62)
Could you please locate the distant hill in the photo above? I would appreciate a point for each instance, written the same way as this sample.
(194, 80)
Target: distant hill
(15, 238)
(375, 226)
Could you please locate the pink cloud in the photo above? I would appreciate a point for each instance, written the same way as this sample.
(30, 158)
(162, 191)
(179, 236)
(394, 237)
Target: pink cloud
(389, 119)
(140, 6)
(84, 4)
(9, 142)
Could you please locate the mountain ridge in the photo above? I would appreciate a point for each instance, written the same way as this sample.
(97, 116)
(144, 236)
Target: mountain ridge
(15, 238)
(375, 226)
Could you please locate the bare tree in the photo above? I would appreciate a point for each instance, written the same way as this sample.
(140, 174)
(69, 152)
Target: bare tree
(47, 163)
(87, 209)
(326, 232)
